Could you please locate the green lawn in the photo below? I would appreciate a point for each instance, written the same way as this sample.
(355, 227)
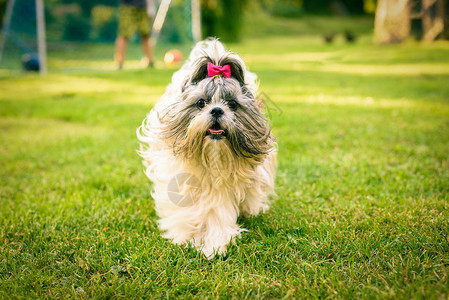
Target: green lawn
(362, 183)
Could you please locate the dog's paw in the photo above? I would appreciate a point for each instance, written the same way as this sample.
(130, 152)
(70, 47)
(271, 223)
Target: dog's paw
(211, 249)
(211, 252)
(253, 210)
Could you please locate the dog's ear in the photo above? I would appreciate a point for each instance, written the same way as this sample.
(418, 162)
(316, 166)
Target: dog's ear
(237, 68)
(199, 72)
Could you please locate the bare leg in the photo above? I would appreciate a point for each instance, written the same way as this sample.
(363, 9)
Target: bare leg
(147, 49)
(120, 50)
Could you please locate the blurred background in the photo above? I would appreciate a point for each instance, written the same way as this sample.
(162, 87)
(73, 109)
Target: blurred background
(80, 34)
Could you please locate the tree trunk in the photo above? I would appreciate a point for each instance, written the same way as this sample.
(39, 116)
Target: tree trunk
(446, 20)
(433, 13)
(392, 21)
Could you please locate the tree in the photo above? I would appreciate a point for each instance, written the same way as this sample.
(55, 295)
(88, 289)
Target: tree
(433, 17)
(392, 21)
(222, 18)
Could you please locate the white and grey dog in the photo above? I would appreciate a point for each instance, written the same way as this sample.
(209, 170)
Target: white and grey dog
(209, 151)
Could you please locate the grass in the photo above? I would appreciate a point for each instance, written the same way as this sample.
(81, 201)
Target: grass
(363, 181)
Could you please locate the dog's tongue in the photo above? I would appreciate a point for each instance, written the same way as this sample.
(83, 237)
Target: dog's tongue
(216, 131)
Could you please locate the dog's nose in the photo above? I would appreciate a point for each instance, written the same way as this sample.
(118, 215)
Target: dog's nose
(216, 112)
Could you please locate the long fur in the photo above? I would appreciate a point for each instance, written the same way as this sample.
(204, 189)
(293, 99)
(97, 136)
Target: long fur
(217, 178)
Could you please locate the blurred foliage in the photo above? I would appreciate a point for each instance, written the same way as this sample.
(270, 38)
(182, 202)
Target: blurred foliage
(289, 9)
(101, 14)
(108, 30)
(296, 8)
(370, 6)
(77, 28)
(88, 5)
(81, 22)
(334, 7)
(222, 18)
(2, 9)
(105, 22)
(97, 19)
(176, 29)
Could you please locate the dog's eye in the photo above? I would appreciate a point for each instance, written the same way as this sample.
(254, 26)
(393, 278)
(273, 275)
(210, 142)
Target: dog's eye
(201, 103)
(233, 104)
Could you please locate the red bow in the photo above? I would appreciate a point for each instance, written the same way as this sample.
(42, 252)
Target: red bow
(214, 70)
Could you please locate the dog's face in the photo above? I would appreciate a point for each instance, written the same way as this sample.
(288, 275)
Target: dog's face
(217, 110)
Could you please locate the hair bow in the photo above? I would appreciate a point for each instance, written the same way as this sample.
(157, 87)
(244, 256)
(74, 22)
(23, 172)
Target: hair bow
(214, 70)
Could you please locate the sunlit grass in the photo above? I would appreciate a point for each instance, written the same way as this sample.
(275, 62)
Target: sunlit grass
(58, 87)
(363, 181)
(401, 70)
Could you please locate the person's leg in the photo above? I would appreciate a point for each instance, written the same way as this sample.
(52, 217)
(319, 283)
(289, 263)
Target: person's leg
(120, 50)
(147, 48)
(126, 29)
(143, 22)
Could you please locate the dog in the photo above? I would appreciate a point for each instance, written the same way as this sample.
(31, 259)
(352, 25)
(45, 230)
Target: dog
(209, 150)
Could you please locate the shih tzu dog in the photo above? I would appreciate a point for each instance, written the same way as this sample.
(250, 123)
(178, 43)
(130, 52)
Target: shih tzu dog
(209, 151)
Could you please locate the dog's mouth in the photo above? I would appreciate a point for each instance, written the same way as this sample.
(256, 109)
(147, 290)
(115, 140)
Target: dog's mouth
(216, 132)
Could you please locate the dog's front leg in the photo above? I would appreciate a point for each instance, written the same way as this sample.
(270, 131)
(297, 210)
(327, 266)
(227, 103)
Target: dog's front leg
(219, 227)
(256, 201)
